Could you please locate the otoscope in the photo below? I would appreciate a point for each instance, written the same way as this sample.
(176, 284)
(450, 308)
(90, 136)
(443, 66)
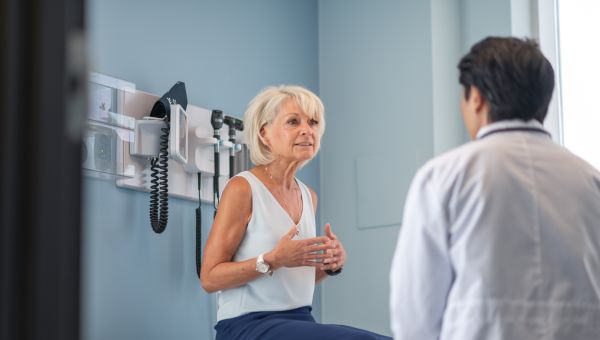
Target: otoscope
(233, 124)
(216, 120)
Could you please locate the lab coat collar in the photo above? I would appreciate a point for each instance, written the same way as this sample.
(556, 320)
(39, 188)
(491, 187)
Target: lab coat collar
(511, 124)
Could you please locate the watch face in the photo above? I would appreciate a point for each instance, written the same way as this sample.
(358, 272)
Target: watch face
(262, 267)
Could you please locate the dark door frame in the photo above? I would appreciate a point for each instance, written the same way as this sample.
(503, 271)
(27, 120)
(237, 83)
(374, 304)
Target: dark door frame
(42, 81)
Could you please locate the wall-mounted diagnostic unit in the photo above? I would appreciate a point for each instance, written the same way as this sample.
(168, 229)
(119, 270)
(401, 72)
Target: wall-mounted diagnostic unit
(161, 145)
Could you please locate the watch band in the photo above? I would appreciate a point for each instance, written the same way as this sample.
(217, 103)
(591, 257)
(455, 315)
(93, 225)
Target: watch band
(333, 272)
(261, 258)
(260, 261)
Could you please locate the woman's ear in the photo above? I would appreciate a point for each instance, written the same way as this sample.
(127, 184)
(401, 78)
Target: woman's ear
(263, 135)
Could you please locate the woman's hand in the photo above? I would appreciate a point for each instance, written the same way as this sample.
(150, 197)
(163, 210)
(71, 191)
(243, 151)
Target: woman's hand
(289, 253)
(338, 253)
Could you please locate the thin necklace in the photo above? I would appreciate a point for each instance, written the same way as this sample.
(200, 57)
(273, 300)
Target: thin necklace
(278, 189)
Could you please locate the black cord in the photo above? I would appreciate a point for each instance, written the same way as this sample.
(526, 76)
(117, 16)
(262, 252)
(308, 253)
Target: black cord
(216, 176)
(159, 190)
(199, 227)
(231, 155)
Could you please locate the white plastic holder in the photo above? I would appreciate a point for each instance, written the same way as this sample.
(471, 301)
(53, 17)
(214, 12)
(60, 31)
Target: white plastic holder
(237, 147)
(146, 142)
(201, 160)
(201, 155)
(178, 139)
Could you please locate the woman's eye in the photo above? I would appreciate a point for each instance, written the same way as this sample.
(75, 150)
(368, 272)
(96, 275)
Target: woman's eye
(313, 122)
(293, 121)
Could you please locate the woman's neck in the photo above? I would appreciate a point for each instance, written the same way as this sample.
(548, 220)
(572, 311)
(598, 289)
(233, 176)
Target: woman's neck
(282, 172)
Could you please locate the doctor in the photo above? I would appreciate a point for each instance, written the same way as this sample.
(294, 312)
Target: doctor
(501, 236)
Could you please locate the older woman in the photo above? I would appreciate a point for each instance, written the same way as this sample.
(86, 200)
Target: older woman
(262, 254)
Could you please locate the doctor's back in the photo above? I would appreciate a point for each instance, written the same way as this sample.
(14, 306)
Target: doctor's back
(501, 236)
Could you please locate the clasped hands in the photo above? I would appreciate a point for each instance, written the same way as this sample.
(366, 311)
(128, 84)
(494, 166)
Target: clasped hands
(323, 252)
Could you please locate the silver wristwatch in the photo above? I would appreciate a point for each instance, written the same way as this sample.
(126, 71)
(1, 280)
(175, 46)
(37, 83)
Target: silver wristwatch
(262, 266)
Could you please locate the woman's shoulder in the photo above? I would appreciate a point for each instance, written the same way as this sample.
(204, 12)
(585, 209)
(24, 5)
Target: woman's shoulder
(313, 193)
(239, 187)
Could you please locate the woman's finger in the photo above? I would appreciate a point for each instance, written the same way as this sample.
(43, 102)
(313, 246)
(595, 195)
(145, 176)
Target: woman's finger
(330, 260)
(328, 231)
(315, 240)
(317, 247)
(308, 263)
(317, 257)
(331, 266)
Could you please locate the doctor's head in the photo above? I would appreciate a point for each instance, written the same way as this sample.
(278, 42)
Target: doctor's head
(284, 122)
(503, 79)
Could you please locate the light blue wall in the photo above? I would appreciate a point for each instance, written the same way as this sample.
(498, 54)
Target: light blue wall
(456, 25)
(388, 78)
(446, 40)
(137, 284)
(376, 81)
(480, 18)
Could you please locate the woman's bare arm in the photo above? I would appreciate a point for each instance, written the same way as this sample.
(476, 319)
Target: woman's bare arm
(235, 209)
(233, 215)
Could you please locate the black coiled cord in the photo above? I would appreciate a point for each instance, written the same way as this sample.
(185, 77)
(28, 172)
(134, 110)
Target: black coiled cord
(159, 190)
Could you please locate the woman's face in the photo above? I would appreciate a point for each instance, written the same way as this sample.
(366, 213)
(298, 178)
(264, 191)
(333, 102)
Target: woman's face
(292, 135)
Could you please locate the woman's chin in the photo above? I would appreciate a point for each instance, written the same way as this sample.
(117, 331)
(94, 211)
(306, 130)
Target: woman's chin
(304, 156)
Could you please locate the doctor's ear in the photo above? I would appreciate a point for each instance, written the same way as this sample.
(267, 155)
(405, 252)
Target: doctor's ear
(477, 98)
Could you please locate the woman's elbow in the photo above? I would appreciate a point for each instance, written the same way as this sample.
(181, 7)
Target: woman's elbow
(209, 289)
(206, 284)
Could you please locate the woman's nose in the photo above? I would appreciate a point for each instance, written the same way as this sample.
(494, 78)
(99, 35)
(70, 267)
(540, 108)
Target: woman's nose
(305, 129)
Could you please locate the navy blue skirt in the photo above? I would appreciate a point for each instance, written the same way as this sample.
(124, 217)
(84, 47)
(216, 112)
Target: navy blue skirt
(295, 324)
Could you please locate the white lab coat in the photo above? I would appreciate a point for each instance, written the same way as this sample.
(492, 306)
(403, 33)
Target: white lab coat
(500, 240)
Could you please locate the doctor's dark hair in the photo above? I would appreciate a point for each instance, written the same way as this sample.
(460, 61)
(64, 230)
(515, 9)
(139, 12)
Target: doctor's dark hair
(512, 75)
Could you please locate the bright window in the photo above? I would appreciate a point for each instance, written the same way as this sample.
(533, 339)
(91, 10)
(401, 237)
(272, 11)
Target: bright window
(579, 55)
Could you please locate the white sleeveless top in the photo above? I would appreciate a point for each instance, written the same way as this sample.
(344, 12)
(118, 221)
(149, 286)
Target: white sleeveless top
(288, 288)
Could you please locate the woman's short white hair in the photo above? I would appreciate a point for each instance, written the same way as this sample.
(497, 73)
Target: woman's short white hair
(265, 107)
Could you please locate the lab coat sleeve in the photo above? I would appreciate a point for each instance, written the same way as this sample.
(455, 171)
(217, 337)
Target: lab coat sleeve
(421, 273)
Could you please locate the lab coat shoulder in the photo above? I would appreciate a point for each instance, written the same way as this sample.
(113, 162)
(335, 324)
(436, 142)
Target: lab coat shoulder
(431, 189)
(581, 165)
(447, 170)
